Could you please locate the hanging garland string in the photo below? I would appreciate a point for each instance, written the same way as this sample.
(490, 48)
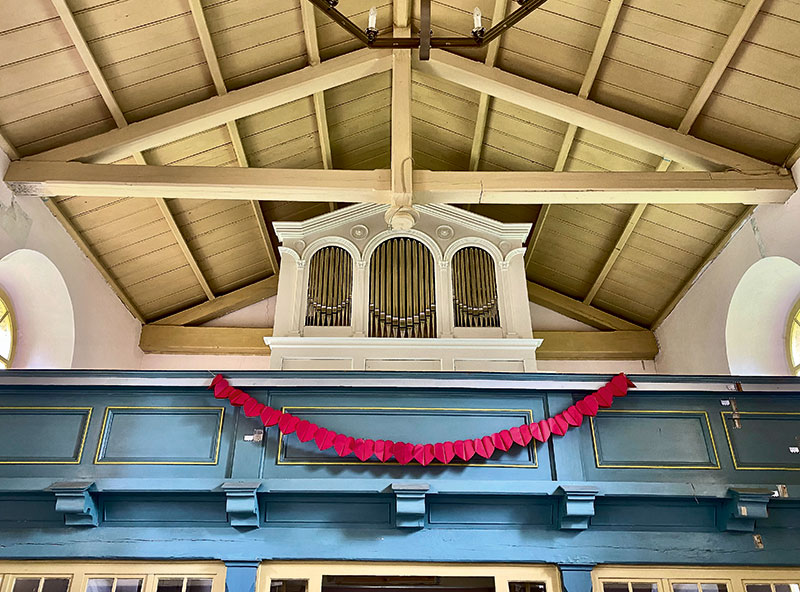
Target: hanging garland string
(424, 454)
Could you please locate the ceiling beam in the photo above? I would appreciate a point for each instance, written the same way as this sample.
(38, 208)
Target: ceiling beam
(402, 164)
(500, 9)
(92, 256)
(626, 233)
(637, 132)
(708, 260)
(575, 309)
(65, 14)
(536, 234)
(8, 148)
(719, 66)
(169, 339)
(44, 179)
(217, 111)
(596, 345)
(223, 304)
(517, 187)
(47, 179)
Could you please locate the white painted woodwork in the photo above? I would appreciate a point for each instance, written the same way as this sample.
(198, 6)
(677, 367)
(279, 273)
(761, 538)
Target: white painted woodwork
(586, 114)
(216, 111)
(46, 179)
(360, 229)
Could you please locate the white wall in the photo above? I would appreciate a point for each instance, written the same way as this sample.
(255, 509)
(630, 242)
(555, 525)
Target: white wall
(692, 338)
(106, 334)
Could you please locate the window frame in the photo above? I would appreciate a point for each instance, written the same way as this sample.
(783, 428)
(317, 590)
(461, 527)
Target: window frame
(10, 313)
(313, 572)
(736, 578)
(794, 319)
(79, 573)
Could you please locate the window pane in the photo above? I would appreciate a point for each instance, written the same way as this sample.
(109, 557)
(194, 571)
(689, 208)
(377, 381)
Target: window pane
(288, 585)
(526, 587)
(170, 585)
(644, 587)
(129, 585)
(615, 586)
(55, 585)
(6, 335)
(26, 584)
(196, 585)
(100, 585)
(794, 343)
(684, 587)
(759, 588)
(787, 587)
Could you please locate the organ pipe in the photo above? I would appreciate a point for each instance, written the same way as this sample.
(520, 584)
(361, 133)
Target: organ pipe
(330, 288)
(402, 299)
(474, 289)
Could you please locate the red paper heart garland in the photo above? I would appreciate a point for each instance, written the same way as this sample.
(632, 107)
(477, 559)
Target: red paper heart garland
(424, 454)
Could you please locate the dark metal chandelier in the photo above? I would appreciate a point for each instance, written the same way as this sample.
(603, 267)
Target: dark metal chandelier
(426, 40)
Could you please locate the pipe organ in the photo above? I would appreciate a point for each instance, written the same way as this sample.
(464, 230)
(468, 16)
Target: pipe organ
(401, 290)
(330, 288)
(448, 294)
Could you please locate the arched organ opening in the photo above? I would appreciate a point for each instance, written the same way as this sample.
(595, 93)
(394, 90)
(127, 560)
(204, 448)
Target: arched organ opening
(449, 294)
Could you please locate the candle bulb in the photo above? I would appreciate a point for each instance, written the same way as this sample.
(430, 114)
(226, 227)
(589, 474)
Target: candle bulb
(476, 18)
(373, 17)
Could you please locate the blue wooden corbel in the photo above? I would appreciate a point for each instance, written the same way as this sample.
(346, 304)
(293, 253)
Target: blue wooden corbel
(75, 501)
(241, 503)
(576, 506)
(742, 508)
(410, 504)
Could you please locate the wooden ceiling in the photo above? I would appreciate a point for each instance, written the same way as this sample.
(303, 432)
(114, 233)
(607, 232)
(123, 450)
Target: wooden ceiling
(724, 71)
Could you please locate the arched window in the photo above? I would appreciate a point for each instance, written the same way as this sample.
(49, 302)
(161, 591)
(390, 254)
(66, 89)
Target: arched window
(793, 339)
(330, 288)
(7, 331)
(402, 299)
(474, 289)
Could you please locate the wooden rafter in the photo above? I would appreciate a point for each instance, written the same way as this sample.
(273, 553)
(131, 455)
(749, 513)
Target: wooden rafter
(575, 309)
(500, 9)
(8, 148)
(401, 149)
(719, 66)
(726, 238)
(92, 256)
(223, 304)
(47, 179)
(626, 233)
(216, 111)
(233, 129)
(168, 339)
(626, 128)
(596, 345)
(536, 234)
(68, 20)
(312, 50)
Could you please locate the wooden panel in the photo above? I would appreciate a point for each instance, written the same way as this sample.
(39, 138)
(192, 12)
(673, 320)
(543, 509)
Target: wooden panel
(764, 441)
(66, 434)
(169, 339)
(148, 52)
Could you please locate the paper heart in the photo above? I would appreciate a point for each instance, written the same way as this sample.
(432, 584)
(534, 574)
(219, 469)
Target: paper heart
(620, 383)
(363, 449)
(444, 452)
(423, 454)
(239, 398)
(573, 416)
(305, 430)
(343, 444)
(484, 446)
(536, 432)
(384, 450)
(502, 440)
(605, 396)
(270, 416)
(324, 438)
(586, 406)
(464, 449)
(288, 423)
(223, 390)
(403, 452)
(544, 427)
(216, 380)
(252, 408)
(559, 428)
(516, 435)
